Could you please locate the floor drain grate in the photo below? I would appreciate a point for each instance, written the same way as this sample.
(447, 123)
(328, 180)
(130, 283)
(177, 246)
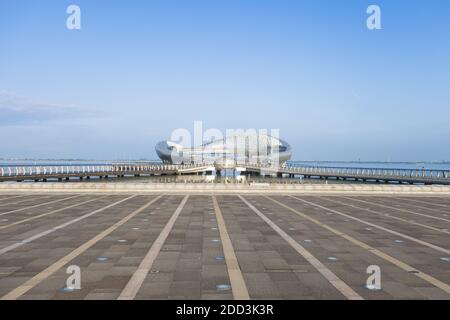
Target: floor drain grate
(223, 287)
(332, 258)
(102, 258)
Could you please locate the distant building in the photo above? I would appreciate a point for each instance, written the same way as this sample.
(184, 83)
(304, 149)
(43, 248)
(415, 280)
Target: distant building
(244, 147)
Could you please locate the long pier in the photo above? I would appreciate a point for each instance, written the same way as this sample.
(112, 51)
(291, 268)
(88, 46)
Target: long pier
(384, 175)
(66, 172)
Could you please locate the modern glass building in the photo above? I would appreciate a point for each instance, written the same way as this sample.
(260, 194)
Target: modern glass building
(243, 148)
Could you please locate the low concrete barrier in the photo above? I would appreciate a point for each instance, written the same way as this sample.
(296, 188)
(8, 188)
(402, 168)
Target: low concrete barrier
(90, 187)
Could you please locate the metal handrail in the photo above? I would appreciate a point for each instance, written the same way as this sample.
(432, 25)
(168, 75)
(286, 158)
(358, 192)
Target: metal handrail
(379, 173)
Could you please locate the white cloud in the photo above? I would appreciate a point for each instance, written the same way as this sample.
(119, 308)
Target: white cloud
(18, 110)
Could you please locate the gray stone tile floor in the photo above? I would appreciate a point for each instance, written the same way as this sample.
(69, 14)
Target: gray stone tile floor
(191, 262)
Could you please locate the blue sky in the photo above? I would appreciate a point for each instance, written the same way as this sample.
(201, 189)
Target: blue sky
(137, 70)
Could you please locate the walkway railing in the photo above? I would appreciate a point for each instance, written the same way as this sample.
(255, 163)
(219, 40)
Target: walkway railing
(374, 172)
(384, 174)
(20, 171)
(60, 170)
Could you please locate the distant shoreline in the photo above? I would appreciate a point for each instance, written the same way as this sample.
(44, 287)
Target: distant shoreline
(291, 161)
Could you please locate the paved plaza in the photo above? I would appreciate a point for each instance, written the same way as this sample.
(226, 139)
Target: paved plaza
(224, 246)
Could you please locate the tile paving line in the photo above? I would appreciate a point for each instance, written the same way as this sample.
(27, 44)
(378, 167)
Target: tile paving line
(24, 200)
(426, 202)
(22, 195)
(386, 216)
(133, 286)
(332, 278)
(50, 212)
(400, 209)
(50, 270)
(424, 243)
(6, 197)
(238, 286)
(402, 265)
(405, 200)
(61, 226)
(40, 205)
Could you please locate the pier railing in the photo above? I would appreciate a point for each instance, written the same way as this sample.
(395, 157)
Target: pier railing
(38, 172)
(123, 167)
(20, 171)
(375, 172)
